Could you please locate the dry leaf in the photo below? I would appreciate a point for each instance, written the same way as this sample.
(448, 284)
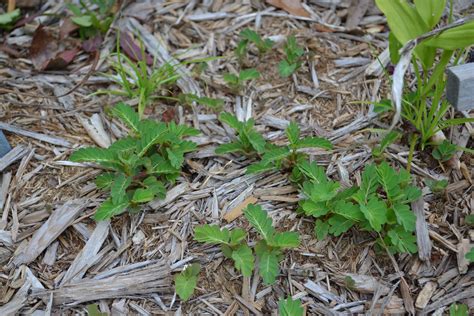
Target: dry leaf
(132, 49)
(43, 48)
(291, 6)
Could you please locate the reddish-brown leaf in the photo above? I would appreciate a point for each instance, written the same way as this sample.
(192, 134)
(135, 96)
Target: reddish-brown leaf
(132, 49)
(43, 48)
(168, 115)
(61, 60)
(92, 44)
(67, 28)
(291, 6)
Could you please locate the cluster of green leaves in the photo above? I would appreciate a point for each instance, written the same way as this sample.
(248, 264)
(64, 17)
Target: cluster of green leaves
(249, 140)
(389, 139)
(236, 83)
(136, 81)
(444, 151)
(286, 157)
(248, 36)
(437, 186)
(426, 107)
(380, 204)
(269, 249)
(92, 21)
(290, 307)
(140, 165)
(189, 99)
(8, 19)
(186, 281)
(292, 62)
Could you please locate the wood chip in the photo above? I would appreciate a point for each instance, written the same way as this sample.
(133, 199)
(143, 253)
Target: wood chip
(237, 211)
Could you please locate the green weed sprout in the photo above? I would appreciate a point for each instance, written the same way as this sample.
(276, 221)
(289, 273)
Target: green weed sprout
(292, 62)
(91, 22)
(236, 82)
(248, 36)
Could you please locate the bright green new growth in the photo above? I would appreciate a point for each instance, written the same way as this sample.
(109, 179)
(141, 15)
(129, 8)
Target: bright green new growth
(136, 81)
(381, 204)
(286, 157)
(425, 108)
(7, 19)
(249, 140)
(444, 151)
(140, 165)
(269, 249)
(458, 310)
(292, 62)
(236, 82)
(186, 281)
(249, 36)
(290, 307)
(389, 139)
(90, 22)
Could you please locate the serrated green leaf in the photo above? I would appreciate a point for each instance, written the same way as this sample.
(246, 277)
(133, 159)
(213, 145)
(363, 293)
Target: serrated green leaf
(290, 307)
(285, 240)
(313, 171)
(93, 310)
(108, 209)
(259, 167)
(368, 185)
(388, 178)
(260, 220)
(321, 192)
(314, 142)
(127, 115)
(286, 69)
(268, 267)
(150, 136)
(231, 120)
(141, 195)
(314, 209)
(405, 216)
(119, 186)
(160, 165)
(241, 50)
(229, 148)
(348, 210)
(275, 154)
(458, 310)
(321, 229)
(104, 180)
(244, 260)
(186, 282)
(250, 35)
(211, 234)
(231, 79)
(339, 224)
(176, 158)
(181, 130)
(237, 235)
(257, 140)
(93, 154)
(248, 74)
(410, 194)
(293, 133)
(389, 139)
(375, 211)
(402, 240)
(126, 144)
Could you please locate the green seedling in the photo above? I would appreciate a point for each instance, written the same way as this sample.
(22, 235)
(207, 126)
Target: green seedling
(389, 139)
(236, 83)
(249, 36)
(140, 166)
(290, 307)
(92, 22)
(269, 249)
(186, 281)
(286, 157)
(137, 81)
(292, 62)
(189, 99)
(437, 186)
(93, 310)
(458, 310)
(444, 151)
(470, 255)
(380, 204)
(249, 140)
(7, 20)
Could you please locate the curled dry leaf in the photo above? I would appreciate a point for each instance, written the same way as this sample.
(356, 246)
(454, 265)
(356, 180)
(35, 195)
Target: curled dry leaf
(61, 60)
(132, 49)
(92, 44)
(67, 27)
(291, 6)
(43, 48)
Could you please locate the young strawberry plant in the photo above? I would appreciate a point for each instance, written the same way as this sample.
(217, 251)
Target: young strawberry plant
(186, 281)
(249, 140)
(286, 157)
(269, 249)
(249, 36)
(292, 62)
(381, 204)
(140, 166)
(444, 151)
(236, 83)
(90, 21)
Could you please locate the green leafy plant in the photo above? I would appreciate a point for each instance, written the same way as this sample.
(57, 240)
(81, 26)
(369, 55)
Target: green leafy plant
(444, 151)
(93, 310)
(92, 22)
(286, 157)
(186, 281)
(290, 307)
(389, 139)
(136, 80)
(249, 36)
(458, 310)
(437, 186)
(212, 103)
(249, 140)
(236, 82)
(8, 19)
(425, 108)
(269, 249)
(292, 62)
(381, 204)
(138, 166)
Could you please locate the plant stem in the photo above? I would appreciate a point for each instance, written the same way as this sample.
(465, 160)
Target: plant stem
(413, 141)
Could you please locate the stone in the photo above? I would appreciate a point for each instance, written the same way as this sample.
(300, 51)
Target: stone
(460, 87)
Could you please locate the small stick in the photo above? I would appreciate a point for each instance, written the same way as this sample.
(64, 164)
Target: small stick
(11, 5)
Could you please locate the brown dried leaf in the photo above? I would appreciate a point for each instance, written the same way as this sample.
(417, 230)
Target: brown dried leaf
(43, 48)
(61, 60)
(291, 6)
(132, 49)
(67, 28)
